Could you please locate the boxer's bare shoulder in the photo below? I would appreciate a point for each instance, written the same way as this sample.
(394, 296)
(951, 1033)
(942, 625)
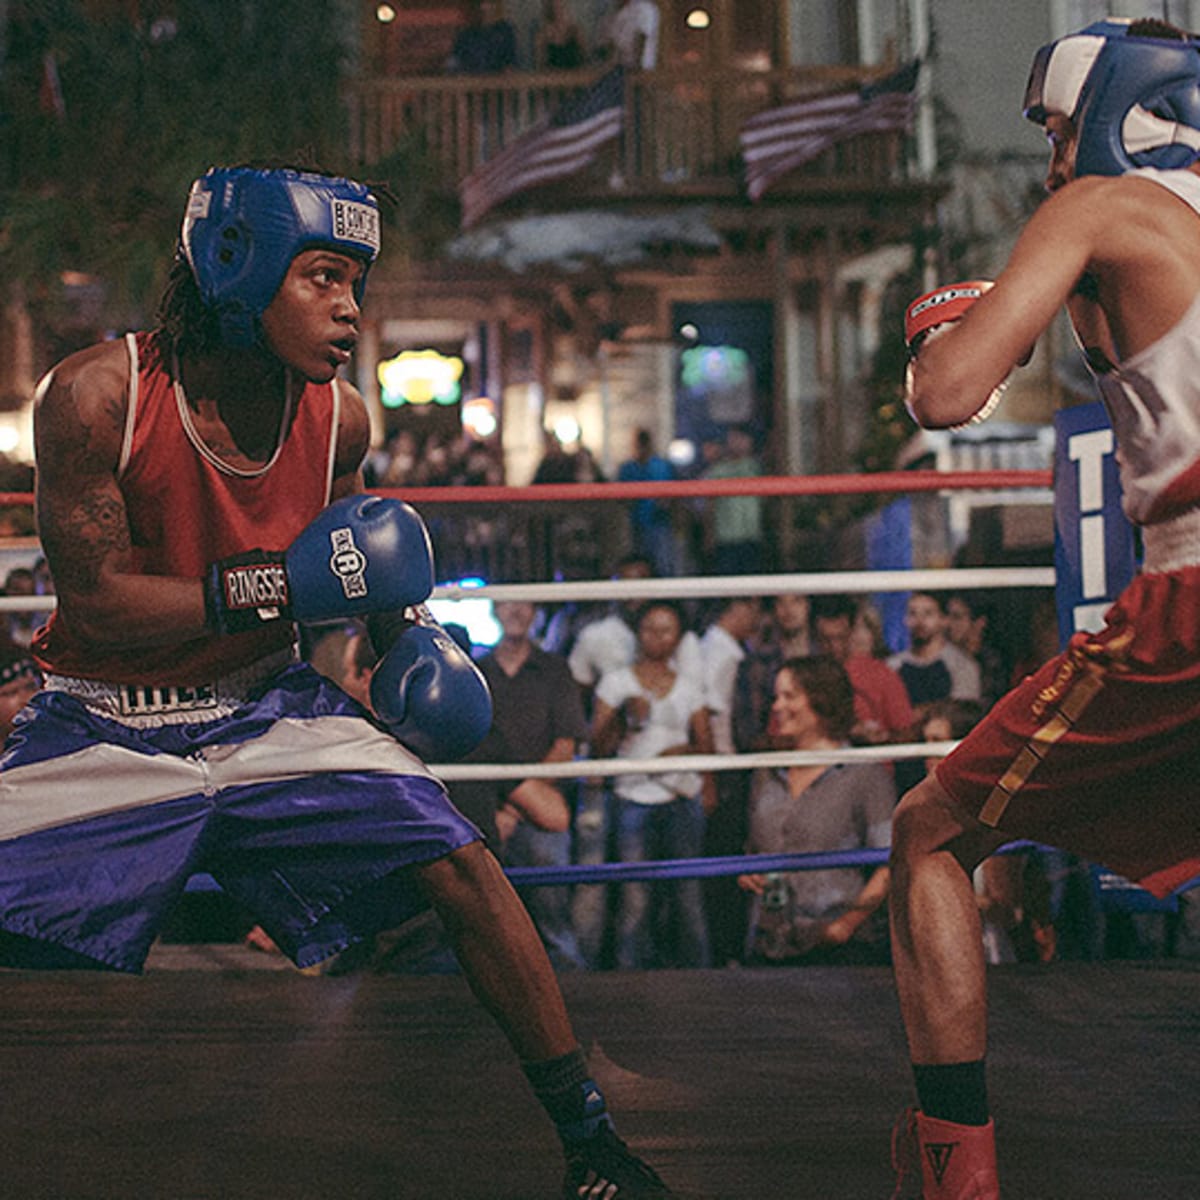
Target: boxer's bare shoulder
(82, 399)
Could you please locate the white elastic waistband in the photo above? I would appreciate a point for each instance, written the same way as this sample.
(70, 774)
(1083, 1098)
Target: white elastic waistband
(141, 705)
(1171, 545)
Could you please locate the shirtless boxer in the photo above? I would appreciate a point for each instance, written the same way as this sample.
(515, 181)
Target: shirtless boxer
(1098, 752)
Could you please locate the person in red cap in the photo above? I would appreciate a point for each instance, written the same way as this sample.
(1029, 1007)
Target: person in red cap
(1097, 751)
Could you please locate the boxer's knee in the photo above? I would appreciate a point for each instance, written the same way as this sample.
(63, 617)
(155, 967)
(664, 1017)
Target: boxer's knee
(468, 876)
(466, 866)
(927, 821)
(917, 823)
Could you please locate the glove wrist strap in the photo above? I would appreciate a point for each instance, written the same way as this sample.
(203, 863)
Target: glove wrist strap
(383, 628)
(245, 591)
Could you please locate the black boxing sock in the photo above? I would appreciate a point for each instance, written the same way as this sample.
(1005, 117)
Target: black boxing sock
(953, 1092)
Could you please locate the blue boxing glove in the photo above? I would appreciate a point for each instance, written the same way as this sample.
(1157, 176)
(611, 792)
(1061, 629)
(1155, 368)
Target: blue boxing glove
(362, 554)
(430, 695)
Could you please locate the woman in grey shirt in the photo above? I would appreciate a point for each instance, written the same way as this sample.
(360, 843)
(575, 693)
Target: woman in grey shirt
(818, 916)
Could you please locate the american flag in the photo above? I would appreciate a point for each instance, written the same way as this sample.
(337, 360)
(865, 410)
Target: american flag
(561, 144)
(778, 140)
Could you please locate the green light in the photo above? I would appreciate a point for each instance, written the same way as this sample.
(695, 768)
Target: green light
(714, 367)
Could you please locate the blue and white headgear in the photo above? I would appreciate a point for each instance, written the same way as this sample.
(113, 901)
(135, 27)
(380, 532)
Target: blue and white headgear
(1134, 101)
(243, 227)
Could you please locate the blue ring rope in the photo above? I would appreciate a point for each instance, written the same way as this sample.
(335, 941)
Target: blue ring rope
(655, 870)
(707, 868)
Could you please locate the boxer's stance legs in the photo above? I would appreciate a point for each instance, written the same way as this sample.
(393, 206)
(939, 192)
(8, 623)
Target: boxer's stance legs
(936, 934)
(940, 971)
(506, 965)
(500, 951)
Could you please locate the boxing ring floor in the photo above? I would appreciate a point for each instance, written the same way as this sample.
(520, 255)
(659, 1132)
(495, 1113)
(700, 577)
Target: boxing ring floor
(221, 1073)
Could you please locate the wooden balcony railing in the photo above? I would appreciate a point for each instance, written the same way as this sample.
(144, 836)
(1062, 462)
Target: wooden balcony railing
(680, 132)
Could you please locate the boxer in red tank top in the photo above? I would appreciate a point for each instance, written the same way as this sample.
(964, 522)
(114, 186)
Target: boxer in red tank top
(199, 486)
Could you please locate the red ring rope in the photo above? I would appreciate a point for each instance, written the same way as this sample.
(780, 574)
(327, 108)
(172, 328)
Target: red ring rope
(762, 485)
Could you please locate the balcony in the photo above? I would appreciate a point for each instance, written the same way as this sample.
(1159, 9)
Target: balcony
(680, 137)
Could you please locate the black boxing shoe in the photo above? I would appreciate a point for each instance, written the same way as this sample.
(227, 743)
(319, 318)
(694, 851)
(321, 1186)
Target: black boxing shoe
(602, 1167)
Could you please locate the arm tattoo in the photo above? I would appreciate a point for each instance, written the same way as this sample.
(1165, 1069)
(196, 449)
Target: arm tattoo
(80, 512)
(79, 539)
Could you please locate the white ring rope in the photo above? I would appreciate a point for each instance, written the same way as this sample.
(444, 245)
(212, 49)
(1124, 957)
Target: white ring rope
(822, 583)
(583, 768)
(27, 603)
(672, 587)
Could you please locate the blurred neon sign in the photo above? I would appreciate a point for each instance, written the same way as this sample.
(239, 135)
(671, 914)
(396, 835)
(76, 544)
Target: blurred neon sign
(714, 367)
(420, 377)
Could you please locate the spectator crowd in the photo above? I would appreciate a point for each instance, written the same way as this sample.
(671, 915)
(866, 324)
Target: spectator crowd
(642, 680)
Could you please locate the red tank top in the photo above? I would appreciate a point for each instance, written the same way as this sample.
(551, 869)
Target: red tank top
(186, 509)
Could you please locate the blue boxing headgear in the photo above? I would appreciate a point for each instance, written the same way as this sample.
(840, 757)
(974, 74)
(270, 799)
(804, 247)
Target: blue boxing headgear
(1134, 101)
(243, 227)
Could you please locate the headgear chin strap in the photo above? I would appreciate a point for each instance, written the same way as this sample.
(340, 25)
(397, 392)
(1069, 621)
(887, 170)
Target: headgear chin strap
(243, 227)
(1134, 101)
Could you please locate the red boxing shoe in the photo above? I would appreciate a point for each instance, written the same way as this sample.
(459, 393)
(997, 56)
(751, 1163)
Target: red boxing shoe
(939, 1160)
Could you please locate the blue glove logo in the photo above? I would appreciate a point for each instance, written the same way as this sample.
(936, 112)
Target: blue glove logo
(348, 563)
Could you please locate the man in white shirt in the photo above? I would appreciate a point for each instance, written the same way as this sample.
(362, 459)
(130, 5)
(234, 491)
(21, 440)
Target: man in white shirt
(609, 642)
(722, 648)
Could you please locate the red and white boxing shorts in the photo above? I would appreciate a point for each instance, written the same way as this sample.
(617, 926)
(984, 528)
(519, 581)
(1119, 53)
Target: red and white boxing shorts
(1099, 751)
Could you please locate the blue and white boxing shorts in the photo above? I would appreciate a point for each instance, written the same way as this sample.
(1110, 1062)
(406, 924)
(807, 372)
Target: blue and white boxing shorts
(275, 782)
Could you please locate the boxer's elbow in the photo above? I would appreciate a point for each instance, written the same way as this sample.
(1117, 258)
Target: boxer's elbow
(935, 412)
(940, 399)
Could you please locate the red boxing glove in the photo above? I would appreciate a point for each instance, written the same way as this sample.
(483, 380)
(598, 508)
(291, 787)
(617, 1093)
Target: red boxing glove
(931, 313)
(939, 307)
